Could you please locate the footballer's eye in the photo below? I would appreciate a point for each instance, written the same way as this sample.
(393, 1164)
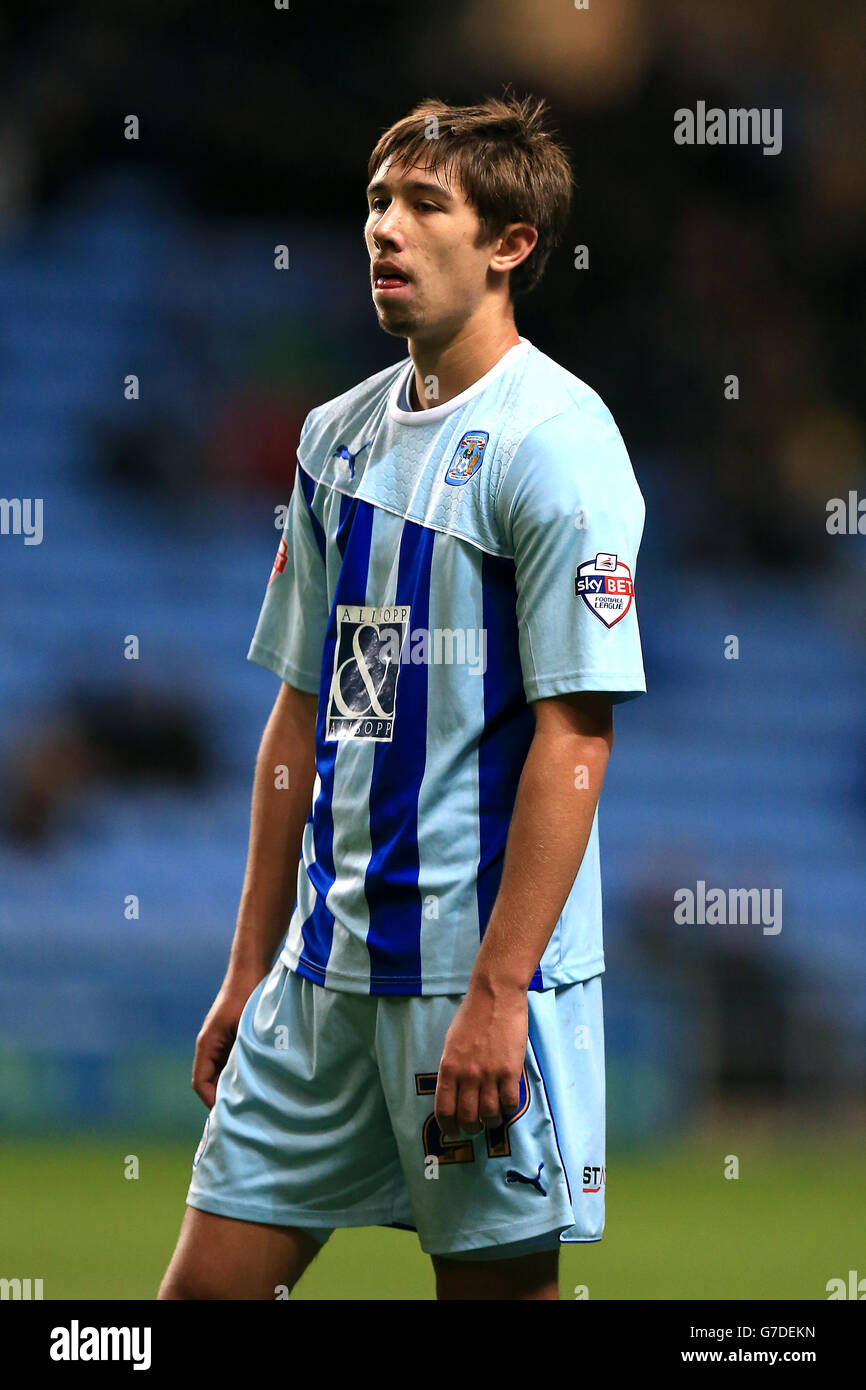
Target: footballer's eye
(376, 204)
(429, 207)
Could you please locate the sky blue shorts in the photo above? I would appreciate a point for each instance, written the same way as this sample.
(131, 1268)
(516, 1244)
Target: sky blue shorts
(324, 1118)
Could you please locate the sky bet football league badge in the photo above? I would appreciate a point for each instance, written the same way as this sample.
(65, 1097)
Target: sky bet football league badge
(468, 457)
(606, 587)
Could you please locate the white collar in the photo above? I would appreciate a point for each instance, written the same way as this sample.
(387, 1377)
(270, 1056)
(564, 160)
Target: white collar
(438, 412)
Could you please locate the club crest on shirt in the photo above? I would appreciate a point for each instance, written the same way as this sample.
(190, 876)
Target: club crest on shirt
(362, 699)
(468, 457)
(606, 587)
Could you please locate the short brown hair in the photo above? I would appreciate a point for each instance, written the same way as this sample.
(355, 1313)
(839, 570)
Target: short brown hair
(510, 166)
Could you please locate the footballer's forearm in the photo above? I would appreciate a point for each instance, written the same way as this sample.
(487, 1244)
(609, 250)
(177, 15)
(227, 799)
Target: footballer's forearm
(550, 827)
(282, 793)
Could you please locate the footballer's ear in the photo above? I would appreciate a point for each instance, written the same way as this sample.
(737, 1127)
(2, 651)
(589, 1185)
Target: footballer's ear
(513, 245)
(585, 712)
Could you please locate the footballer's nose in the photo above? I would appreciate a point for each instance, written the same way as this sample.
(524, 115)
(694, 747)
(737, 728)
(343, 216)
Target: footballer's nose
(387, 231)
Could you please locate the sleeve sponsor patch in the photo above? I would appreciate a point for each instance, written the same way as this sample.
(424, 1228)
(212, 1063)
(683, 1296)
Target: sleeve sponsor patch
(605, 585)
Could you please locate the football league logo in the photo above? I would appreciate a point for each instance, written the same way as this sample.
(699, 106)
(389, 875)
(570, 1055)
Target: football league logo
(363, 695)
(605, 585)
(468, 457)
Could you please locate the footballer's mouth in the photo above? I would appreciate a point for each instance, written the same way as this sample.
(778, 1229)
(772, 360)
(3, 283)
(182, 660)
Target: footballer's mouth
(389, 278)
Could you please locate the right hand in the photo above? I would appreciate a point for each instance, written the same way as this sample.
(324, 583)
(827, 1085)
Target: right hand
(218, 1032)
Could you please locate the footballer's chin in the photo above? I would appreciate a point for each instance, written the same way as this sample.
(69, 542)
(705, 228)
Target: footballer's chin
(401, 320)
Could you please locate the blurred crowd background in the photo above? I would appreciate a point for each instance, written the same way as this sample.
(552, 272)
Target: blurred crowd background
(125, 783)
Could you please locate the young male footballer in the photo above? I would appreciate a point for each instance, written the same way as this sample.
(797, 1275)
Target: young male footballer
(451, 614)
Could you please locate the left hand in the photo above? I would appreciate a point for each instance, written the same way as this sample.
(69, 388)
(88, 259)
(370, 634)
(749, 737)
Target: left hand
(482, 1060)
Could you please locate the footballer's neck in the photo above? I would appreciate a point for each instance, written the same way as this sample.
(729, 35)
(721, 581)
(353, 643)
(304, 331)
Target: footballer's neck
(444, 369)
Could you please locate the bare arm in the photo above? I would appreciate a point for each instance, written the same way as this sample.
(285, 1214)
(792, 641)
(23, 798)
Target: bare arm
(277, 820)
(484, 1049)
(276, 827)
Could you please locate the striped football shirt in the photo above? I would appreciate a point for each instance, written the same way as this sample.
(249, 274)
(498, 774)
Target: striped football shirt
(439, 570)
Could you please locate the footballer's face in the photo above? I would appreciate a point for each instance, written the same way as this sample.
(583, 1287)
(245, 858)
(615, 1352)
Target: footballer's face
(428, 260)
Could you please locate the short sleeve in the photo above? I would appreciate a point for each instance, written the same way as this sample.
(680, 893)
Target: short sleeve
(290, 633)
(572, 516)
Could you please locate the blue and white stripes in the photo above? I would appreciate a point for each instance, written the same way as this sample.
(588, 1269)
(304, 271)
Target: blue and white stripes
(416, 604)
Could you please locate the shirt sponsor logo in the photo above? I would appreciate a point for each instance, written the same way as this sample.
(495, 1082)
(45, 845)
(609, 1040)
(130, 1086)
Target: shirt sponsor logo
(605, 585)
(363, 695)
(468, 457)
